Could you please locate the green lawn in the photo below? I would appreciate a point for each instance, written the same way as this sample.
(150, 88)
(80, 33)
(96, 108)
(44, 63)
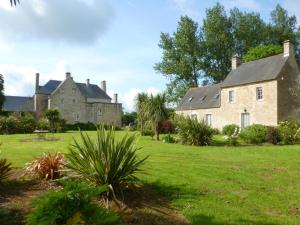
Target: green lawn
(209, 185)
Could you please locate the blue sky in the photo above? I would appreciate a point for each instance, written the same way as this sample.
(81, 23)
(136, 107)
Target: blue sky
(112, 40)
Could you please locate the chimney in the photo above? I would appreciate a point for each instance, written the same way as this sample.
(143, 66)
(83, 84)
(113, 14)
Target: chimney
(68, 75)
(37, 82)
(87, 82)
(235, 62)
(103, 85)
(115, 99)
(288, 48)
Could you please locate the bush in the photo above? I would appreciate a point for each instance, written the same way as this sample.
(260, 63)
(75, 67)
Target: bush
(216, 131)
(46, 166)
(5, 169)
(82, 126)
(254, 134)
(106, 160)
(191, 131)
(27, 124)
(71, 205)
(166, 127)
(230, 129)
(168, 139)
(9, 125)
(43, 124)
(273, 135)
(232, 141)
(288, 131)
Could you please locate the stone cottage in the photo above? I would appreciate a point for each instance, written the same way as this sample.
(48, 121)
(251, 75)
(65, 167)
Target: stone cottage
(264, 91)
(76, 102)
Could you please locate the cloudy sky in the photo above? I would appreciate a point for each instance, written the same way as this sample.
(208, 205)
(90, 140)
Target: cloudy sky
(112, 40)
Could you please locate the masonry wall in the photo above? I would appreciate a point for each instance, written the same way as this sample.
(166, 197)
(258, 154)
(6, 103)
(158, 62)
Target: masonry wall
(40, 104)
(261, 111)
(70, 103)
(289, 91)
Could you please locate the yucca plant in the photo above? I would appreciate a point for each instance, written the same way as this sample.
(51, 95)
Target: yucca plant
(106, 160)
(5, 169)
(47, 166)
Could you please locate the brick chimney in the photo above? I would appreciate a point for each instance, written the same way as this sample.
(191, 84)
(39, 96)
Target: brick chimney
(115, 99)
(87, 82)
(68, 75)
(235, 62)
(103, 85)
(288, 48)
(37, 82)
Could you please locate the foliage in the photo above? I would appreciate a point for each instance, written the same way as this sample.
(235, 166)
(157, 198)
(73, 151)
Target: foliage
(81, 126)
(216, 131)
(169, 139)
(27, 124)
(9, 125)
(289, 131)
(230, 129)
(2, 97)
(262, 51)
(181, 61)
(129, 118)
(46, 166)
(140, 105)
(5, 169)
(106, 160)
(43, 124)
(254, 134)
(53, 117)
(166, 127)
(191, 131)
(273, 135)
(156, 111)
(232, 140)
(71, 205)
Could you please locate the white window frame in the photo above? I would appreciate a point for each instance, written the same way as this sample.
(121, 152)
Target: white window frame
(259, 94)
(231, 96)
(243, 124)
(76, 117)
(208, 119)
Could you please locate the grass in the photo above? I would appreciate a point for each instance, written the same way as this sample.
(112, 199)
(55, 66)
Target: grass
(215, 185)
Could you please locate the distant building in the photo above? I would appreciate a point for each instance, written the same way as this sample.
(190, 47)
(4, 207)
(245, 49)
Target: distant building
(76, 102)
(264, 91)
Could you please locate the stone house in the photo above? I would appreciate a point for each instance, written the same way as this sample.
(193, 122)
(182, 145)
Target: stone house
(76, 102)
(264, 91)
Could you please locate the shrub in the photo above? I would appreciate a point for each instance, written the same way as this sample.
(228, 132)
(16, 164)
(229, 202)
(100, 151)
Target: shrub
(216, 131)
(5, 169)
(254, 134)
(46, 166)
(232, 140)
(273, 135)
(27, 124)
(168, 139)
(43, 124)
(71, 205)
(166, 127)
(230, 129)
(191, 131)
(9, 125)
(82, 126)
(106, 160)
(288, 131)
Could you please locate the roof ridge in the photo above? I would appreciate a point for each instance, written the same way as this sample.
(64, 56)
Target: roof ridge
(261, 59)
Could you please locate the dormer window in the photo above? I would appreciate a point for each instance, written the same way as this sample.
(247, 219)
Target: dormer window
(231, 96)
(202, 99)
(217, 96)
(259, 93)
(190, 99)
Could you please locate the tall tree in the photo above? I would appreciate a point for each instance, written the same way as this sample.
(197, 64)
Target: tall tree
(248, 30)
(156, 111)
(140, 105)
(218, 43)
(2, 97)
(181, 61)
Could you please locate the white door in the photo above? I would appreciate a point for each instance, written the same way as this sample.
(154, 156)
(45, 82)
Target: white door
(245, 120)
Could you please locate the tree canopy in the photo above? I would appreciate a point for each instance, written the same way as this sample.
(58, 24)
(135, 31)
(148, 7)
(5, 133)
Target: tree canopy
(262, 51)
(2, 97)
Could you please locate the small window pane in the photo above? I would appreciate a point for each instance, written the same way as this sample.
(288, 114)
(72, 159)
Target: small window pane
(259, 93)
(231, 96)
(208, 119)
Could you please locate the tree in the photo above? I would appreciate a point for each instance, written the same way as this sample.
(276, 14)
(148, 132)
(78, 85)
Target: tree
(2, 97)
(156, 111)
(262, 51)
(218, 44)
(14, 2)
(140, 104)
(53, 116)
(181, 61)
(129, 118)
(248, 30)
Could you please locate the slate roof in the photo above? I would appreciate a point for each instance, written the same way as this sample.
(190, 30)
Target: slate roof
(264, 69)
(201, 98)
(18, 104)
(91, 91)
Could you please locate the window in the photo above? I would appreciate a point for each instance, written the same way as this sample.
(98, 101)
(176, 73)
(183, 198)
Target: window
(99, 111)
(74, 100)
(190, 99)
(259, 93)
(208, 119)
(245, 120)
(76, 117)
(194, 116)
(231, 96)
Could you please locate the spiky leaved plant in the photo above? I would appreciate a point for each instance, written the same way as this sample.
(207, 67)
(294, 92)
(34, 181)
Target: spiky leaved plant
(5, 169)
(106, 160)
(47, 166)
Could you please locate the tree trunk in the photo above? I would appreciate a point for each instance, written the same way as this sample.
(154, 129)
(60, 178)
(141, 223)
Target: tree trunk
(142, 128)
(157, 132)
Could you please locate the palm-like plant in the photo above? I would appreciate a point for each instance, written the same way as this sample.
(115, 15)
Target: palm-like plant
(140, 104)
(5, 169)
(156, 111)
(106, 161)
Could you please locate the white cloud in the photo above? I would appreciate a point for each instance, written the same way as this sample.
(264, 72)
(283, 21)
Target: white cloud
(76, 21)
